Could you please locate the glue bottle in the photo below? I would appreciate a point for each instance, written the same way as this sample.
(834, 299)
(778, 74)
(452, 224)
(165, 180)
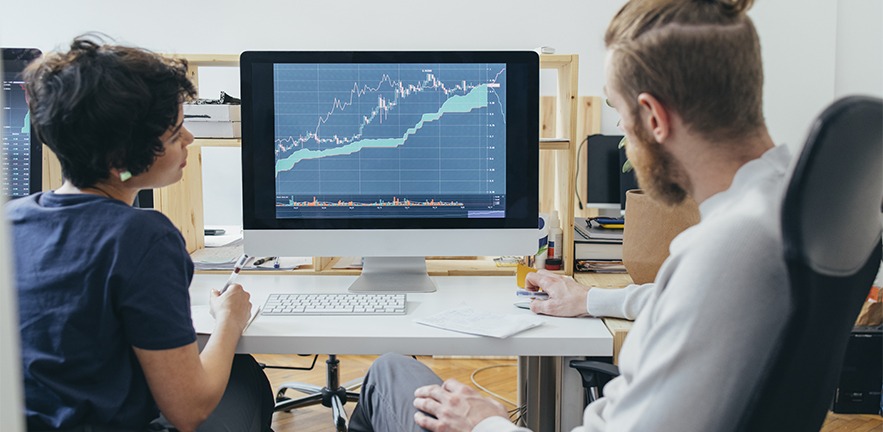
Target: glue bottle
(556, 236)
(543, 251)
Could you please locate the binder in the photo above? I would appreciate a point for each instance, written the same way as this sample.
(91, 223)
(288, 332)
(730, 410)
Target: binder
(595, 243)
(590, 232)
(597, 250)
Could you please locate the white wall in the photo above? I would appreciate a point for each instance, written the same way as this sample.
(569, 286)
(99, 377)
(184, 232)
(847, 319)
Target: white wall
(798, 46)
(859, 48)
(812, 49)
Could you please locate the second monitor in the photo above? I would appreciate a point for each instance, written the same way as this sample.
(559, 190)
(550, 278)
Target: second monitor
(607, 183)
(22, 151)
(390, 155)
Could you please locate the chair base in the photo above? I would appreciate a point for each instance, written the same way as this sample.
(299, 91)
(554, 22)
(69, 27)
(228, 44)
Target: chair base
(332, 395)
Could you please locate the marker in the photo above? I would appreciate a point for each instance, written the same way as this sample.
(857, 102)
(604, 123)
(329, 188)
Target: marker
(276, 263)
(236, 269)
(539, 295)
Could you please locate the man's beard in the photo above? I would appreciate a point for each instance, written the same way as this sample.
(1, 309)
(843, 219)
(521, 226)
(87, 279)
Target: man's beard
(660, 176)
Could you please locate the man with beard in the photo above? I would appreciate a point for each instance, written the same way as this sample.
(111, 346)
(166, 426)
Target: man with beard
(686, 77)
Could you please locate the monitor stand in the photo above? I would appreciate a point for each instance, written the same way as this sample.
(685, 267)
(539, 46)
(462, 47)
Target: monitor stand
(393, 274)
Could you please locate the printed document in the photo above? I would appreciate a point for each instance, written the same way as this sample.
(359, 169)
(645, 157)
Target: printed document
(482, 323)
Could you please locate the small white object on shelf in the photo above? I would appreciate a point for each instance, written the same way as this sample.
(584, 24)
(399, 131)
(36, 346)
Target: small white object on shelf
(232, 233)
(213, 120)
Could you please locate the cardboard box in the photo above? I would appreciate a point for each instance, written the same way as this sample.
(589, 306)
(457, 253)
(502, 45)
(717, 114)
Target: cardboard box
(212, 113)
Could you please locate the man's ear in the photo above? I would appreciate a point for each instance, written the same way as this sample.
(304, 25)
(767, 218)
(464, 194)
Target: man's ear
(654, 117)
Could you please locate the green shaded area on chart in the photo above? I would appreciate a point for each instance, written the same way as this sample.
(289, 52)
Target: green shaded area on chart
(475, 99)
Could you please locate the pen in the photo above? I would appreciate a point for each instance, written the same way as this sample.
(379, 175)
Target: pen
(276, 263)
(540, 295)
(260, 261)
(236, 269)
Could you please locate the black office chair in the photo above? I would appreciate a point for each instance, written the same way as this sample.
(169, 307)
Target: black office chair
(831, 228)
(334, 395)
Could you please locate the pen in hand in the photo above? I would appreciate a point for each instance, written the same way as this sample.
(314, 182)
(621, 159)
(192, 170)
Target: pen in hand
(236, 269)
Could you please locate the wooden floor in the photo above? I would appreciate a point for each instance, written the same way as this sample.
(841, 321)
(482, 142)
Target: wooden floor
(499, 377)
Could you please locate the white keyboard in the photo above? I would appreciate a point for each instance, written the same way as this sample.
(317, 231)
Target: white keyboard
(335, 304)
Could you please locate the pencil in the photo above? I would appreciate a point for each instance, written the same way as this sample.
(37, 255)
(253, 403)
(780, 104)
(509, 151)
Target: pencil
(236, 269)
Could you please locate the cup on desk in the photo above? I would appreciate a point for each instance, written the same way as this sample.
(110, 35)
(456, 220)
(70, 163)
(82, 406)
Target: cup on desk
(521, 274)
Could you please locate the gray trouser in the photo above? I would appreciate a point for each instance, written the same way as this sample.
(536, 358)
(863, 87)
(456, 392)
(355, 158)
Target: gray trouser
(247, 404)
(386, 403)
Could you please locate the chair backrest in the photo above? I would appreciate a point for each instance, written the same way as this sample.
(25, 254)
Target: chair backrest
(831, 228)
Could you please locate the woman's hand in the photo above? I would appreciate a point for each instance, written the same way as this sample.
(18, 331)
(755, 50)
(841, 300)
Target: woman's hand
(234, 306)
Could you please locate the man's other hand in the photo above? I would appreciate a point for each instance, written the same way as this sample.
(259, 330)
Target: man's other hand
(454, 406)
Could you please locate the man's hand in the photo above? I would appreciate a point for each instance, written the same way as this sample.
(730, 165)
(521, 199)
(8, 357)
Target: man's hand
(455, 406)
(233, 306)
(567, 297)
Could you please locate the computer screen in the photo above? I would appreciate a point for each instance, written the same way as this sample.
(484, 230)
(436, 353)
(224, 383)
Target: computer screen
(607, 183)
(22, 161)
(390, 154)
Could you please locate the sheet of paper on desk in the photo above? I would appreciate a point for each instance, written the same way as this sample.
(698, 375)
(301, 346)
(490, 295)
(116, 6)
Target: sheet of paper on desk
(204, 322)
(482, 323)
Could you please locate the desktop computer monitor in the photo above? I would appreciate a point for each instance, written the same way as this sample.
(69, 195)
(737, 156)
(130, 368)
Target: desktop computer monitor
(392, 156)
(22, 151)
(607, 183)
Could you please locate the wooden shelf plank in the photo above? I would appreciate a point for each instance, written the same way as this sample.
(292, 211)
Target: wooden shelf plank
(217, 142)
(549, 61)
(231, 60)
(555, 145)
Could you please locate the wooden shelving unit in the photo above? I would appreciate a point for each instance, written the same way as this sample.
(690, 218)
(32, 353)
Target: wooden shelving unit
(182, 201)
(565, 121)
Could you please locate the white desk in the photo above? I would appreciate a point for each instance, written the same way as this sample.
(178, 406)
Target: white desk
(542, 378)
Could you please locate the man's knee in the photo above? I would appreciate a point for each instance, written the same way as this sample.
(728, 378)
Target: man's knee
(393, 361)
(396, 370)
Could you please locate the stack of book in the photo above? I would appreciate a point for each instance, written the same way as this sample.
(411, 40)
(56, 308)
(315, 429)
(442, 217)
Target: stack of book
(597, 246)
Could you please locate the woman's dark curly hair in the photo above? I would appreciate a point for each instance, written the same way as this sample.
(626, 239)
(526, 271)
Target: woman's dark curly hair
(101, 106)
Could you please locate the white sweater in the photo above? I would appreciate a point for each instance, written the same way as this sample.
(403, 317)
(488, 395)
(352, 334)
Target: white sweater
(705, 326)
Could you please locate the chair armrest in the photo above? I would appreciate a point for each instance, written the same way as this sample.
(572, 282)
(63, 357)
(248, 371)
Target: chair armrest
(595, 376)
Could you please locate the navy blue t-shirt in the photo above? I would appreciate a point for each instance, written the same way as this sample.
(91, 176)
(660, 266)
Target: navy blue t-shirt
(95, 277)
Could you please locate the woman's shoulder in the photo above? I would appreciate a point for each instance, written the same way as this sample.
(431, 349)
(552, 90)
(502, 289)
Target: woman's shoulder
(145, 220)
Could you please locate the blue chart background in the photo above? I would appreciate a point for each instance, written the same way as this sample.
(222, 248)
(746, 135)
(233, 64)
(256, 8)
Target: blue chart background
(457, 155)
(16, 138)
